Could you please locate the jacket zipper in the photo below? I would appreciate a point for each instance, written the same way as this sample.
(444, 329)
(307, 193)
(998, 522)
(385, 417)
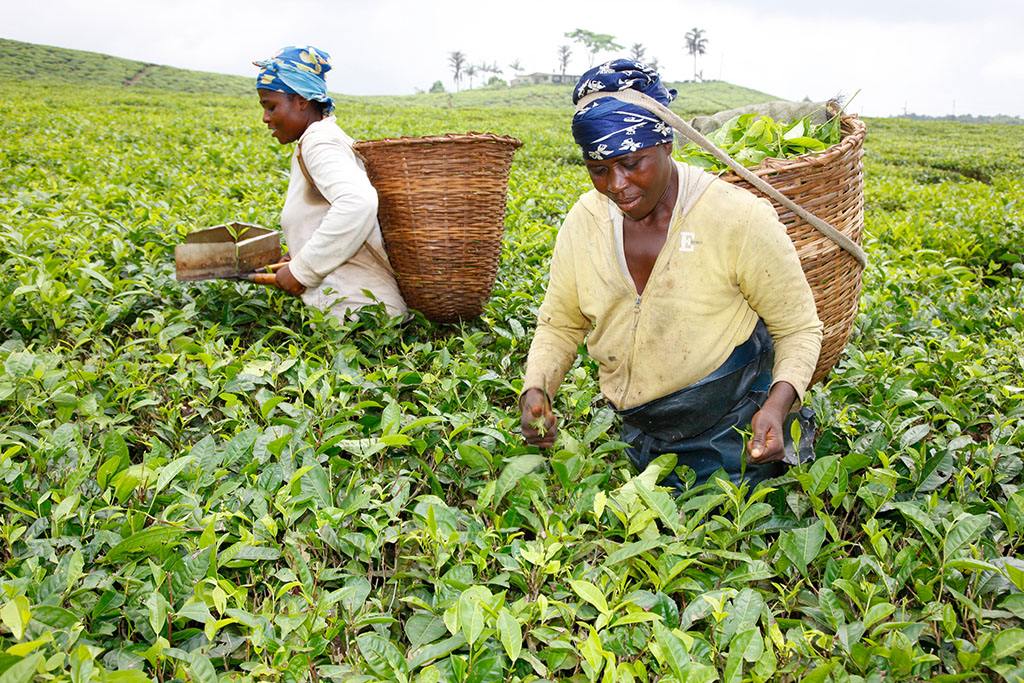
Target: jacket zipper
(659, 261)
(632, 347)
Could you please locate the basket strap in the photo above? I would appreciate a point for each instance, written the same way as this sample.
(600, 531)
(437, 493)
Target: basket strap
(671, 118)
(305, 171)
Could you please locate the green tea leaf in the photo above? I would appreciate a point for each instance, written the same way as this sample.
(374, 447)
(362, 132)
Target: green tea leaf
(965, 530)
(603, 419)
(809, 143)
(918, 518)
(633, 549)
(169, 471)
(877, 613)
(510, 634)
(744, 613)
(66, 506)
(488, 666)
(54, 616)
(23, 670)
(382, 656)
(591, 594)
(422, 628)
(698, 673)
(240, 554)
(471, 615)
(662, 503)
(15, 616)
(823, 472)
(158, 608)
(801, 546)
(201, 669)
(19, 363)
(126, 676)
(147, 541)
(194, 610)
(1007, 643)
(914, 435)
(515, 469)
(747, 644)
(434, 651)
(674, 653)
(354, 594)
(666, 608)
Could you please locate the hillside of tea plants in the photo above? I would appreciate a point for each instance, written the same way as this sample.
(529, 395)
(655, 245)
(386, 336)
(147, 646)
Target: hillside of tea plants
(58, 67)
(203, 482)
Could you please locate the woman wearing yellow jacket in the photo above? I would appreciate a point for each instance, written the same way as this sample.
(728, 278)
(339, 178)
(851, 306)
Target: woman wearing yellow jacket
(687, 290)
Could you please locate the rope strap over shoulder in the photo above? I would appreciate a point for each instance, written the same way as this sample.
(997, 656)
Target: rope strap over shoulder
(381, 257)
(671, 118)
(305, 171)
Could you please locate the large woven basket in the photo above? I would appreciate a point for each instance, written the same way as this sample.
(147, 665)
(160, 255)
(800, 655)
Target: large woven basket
(831, 186)
(442, 212)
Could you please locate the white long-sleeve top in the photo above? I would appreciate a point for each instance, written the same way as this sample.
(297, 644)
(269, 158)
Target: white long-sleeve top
(332, 230)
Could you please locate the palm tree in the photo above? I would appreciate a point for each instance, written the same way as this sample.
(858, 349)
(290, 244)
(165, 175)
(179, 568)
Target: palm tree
(515, 65)
(696, 44)
(471, 71)
(457, 60)
(637, 52)
(564, 52)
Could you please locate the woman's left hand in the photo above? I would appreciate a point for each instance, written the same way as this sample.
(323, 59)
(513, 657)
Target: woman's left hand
(767, 445)
(286, 282)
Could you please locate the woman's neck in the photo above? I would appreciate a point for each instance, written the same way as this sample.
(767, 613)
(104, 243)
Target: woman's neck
(313, 118)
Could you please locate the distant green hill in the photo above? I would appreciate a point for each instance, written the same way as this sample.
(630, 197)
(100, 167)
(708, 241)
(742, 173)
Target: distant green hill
(19, 61)
(693, 98)
(711, 96)
(56, 65)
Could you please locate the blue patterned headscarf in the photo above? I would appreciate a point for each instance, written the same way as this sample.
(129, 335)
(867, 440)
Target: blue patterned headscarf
(298, 71)
(609, 127)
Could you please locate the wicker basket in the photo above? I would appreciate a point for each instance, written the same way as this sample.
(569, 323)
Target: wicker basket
(831, 186)
(442, 212)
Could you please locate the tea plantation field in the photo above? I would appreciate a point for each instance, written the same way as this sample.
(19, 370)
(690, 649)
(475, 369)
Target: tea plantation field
(209, 481)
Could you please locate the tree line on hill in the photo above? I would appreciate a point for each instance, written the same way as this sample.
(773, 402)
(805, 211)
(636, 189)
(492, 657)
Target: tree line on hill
(966, 118)
(590, 42)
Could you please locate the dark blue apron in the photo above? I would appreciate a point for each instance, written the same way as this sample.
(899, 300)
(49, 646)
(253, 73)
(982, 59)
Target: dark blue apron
(700, 423)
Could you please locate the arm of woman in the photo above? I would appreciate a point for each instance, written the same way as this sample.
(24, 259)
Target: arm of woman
(349, 222)
(774, 284)
(561, 326)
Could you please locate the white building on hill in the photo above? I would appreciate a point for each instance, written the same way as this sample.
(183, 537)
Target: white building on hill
(541, 78)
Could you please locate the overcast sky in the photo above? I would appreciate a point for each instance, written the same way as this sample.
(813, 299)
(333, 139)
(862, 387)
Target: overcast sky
(936, 57)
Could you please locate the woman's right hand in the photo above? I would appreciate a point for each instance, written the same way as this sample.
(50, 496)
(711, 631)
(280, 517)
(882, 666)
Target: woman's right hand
(538, 422)
(287, 282)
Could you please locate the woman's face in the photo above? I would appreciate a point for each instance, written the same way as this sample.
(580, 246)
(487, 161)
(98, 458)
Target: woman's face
(287, 116)
(637, 181)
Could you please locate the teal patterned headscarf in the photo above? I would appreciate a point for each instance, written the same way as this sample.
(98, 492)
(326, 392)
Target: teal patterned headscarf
(297, 71)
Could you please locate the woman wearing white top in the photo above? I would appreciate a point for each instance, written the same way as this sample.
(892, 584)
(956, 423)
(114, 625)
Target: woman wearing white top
(338, 262)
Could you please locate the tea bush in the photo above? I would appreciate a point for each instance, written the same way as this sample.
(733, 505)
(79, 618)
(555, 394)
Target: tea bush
(208, 481)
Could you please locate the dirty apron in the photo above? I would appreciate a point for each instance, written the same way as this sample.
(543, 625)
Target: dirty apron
(699, 423)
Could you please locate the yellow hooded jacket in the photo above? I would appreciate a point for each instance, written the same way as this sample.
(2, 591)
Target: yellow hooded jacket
(726, 261)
